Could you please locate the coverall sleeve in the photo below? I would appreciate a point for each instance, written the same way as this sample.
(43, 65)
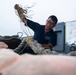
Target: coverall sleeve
(33, 25)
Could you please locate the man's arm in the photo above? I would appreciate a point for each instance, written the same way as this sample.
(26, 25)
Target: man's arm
(33, 25)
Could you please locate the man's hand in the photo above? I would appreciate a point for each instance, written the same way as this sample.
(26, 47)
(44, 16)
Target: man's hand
(29, 40)
(47, 46)
(42, 65)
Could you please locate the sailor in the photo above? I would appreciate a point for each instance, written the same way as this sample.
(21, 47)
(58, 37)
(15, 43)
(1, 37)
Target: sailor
(43, 34)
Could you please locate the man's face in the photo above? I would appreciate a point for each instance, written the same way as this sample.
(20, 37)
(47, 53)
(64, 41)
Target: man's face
(49, 24)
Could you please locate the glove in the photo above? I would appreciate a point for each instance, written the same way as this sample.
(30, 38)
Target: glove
(29, 40)
(20, 13)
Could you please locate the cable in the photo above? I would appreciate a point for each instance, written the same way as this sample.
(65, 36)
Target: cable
(21, 12)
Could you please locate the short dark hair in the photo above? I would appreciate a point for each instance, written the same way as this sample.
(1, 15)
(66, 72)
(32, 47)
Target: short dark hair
(54, 18)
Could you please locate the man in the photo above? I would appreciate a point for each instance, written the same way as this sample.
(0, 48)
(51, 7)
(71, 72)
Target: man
(43, 34)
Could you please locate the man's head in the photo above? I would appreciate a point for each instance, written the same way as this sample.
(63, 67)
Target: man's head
(51, 22)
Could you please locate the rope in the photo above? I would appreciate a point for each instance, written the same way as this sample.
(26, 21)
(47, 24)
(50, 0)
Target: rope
(25, 10)
(23, 49)
(23, 29)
